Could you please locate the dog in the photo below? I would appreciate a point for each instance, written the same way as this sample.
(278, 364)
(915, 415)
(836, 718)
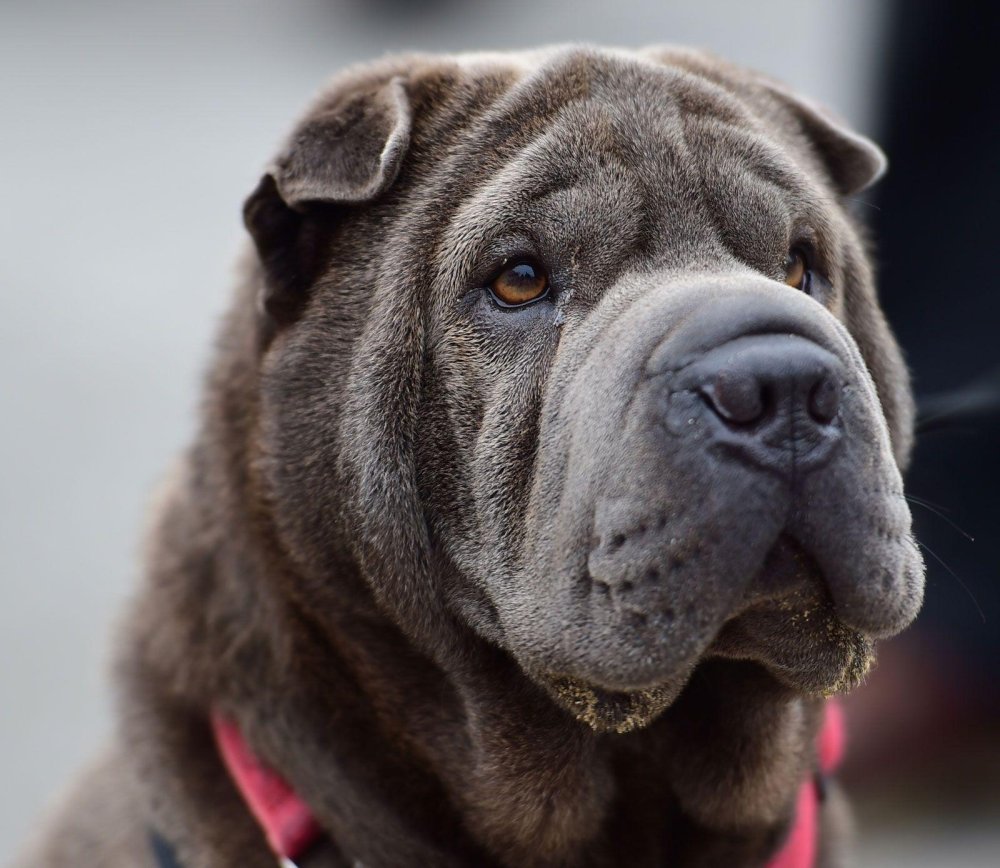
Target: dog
(548, 484)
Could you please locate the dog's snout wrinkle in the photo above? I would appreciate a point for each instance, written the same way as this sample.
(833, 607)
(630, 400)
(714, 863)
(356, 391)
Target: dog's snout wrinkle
(742, 311)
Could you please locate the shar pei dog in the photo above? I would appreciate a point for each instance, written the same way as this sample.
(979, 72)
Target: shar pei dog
(547, 488)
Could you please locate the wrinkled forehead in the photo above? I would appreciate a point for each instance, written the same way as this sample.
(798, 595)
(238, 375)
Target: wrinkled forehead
(587, 141)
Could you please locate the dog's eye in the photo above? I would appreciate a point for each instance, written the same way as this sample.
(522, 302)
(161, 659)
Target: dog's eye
(520, 283)
(797, 273)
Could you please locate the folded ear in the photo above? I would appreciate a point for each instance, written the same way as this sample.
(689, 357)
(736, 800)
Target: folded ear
(853, 161)
(347, 151)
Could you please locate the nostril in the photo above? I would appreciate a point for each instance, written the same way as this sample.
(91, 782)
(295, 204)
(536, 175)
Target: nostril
(737, 395)
(824, 400)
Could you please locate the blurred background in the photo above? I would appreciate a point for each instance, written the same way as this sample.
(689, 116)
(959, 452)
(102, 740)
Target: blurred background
(131, 131)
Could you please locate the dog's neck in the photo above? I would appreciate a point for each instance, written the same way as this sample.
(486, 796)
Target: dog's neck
(405, 761)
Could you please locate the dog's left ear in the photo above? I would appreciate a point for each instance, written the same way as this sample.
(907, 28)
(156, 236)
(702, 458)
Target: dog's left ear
(852, 160)
(347, 151)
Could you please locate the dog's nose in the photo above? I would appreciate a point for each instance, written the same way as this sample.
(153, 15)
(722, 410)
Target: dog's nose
(785, 378)
(777, 398)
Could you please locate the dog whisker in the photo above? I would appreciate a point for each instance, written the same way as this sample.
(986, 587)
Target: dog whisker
(871, 205)
(935, 510)
(956, 577)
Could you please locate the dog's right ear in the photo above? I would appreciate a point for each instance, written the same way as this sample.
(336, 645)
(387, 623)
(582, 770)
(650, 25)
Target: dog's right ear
(852, 161)
(347, 151)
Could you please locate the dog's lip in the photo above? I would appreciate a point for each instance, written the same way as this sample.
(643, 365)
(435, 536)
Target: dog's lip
(800, 640)
(837, 671)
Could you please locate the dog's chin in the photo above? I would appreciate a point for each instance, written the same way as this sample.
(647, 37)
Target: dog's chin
(608, 710)
(801, 644)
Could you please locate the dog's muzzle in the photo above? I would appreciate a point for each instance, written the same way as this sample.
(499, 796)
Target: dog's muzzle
(714, 464)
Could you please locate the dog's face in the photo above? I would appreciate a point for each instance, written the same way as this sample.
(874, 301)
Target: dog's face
(579, 351)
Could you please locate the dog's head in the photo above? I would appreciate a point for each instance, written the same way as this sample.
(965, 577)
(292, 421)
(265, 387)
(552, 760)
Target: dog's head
(579, 351)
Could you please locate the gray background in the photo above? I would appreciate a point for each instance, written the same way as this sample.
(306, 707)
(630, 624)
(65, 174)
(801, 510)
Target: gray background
(129, 135)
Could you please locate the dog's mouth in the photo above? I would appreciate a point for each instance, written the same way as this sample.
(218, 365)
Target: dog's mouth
(786, 623)
(789, 626)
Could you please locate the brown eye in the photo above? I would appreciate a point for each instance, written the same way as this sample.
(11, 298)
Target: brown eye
(520, 283)
(796, 270)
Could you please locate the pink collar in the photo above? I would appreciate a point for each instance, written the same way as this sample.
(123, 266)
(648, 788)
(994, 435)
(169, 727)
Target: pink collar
(288, 824)
(799, 850)
(291, 828)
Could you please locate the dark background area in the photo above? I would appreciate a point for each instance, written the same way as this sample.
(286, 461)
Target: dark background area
(926, 730)
(937, 231)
